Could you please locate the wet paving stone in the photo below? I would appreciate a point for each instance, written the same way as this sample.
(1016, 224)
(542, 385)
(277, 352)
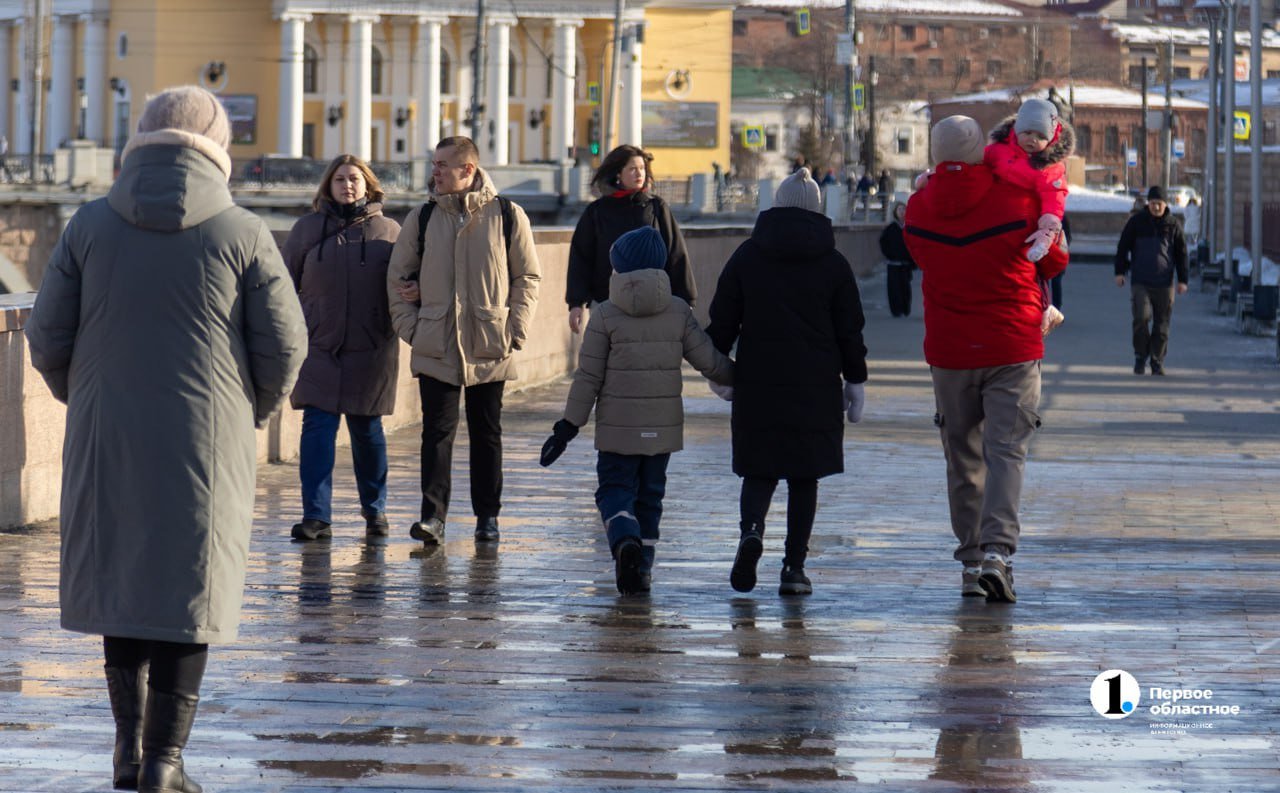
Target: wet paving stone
(1150, 545)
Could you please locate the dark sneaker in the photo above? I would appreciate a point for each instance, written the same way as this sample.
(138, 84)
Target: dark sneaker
(971, 583)
(629, 566)
(997, 580)
(310, 530)
(428, 532)
(376, 525)
(487, 530)
(1157, 368)
(1139, 365)
(750, 547)
(794, 582)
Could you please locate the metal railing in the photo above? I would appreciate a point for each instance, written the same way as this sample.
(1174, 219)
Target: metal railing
(27, 169)
(738, 197)
(302, 172)
(674, 191)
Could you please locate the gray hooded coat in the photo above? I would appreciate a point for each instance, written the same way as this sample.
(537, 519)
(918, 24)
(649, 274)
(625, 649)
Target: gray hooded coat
(168, 324)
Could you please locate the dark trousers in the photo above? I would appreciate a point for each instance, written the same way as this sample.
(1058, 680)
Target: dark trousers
(316, 457)
(484, 429)
(1152, 310)
(802, 506)
(629, 496)
(175, 668)
(898, 280)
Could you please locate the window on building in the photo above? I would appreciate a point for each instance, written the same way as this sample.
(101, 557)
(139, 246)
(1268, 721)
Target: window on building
(934, 67)
(446, 73)
(1135, 135)
(1268, 133)
(1111, 140)
(771, 137)
(1046, 69)
(1197, 145)
(308, 140)
(908, 32)
(902, 140)
(375, 71)
(513, 74)
(739, 27)
(994, 68)
(935, 34)
(1273, 74)
(962, 67)
(310, 68)
(1084, 140)
(883, 32)
(908, 67)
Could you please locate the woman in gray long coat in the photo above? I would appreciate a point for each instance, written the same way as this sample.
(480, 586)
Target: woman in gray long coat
(338, 258)
(167, 323)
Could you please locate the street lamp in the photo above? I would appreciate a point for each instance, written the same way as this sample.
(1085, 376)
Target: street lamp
(1212, 12)
(1229, 142)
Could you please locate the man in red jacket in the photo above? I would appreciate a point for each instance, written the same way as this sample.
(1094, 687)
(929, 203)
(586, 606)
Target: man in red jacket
(967, 232)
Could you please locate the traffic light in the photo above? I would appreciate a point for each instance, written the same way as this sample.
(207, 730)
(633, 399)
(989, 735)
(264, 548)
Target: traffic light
(593, 133)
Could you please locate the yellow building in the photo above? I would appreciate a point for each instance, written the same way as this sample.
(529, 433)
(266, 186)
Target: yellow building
(383, 80)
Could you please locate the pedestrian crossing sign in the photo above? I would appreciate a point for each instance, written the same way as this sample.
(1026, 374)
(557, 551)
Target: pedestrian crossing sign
(753, 137)
(593, 93)
(859, 96)
(1240, 126)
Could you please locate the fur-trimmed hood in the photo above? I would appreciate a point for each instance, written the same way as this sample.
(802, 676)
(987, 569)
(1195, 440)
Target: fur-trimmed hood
(1060, 148)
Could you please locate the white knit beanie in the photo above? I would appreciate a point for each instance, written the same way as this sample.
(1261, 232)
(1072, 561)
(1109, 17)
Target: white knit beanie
(799, 190)
(957, 139)
(189, 108)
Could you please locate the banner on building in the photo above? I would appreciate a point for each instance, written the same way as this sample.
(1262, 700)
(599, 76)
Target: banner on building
(680, 125)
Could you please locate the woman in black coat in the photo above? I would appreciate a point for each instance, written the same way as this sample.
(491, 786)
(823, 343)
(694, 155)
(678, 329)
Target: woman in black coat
(788, 299)
(898, 276)
(625, 183)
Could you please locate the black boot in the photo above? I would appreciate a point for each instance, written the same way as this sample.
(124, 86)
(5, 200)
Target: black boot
(164, 734)
(750, 546)
(127, 689)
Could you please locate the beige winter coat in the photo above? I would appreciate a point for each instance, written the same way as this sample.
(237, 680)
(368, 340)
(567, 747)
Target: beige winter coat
(477, 299)
(629, 366)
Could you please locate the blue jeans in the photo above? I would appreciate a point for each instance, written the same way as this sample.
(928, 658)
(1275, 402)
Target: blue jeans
(630, 497)
(316, 456)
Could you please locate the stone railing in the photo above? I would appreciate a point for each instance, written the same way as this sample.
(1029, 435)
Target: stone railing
(32, 421)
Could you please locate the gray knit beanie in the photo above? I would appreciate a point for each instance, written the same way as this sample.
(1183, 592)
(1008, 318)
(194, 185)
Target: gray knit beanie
(957, 139)
(189, 108)
(639, 249)
(1037, 115)
(799, 190)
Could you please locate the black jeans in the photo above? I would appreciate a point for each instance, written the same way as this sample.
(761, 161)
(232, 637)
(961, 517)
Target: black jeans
(1152, 310)
(898, 281)
(175, 668)
(484, 429)
(802, 506)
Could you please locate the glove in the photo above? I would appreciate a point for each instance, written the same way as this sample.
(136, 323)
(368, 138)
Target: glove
(725, 392)
(1043, 237)
(855, 398)
(1051, 319)
(561, 433)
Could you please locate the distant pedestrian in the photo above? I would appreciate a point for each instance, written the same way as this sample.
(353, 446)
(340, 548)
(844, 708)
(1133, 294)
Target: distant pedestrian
(629, 372)
(884, 186)
(865, 184)
(899, 266)
(788, 299)
(627, 201)
(167, 323)
(982, 309)
(1153, 252)
(337, 256)
(828, 178)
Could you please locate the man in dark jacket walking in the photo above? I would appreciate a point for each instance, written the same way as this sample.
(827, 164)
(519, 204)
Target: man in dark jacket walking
(1152, 250)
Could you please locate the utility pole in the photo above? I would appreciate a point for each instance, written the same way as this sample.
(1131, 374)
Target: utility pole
(1166, 137)
(1229, 144)
(36, 72)
(851, 152)
(872, 80)
(611, 110)
(1142, 140)
(477, 75)
(1209, 218)
(1255, 123)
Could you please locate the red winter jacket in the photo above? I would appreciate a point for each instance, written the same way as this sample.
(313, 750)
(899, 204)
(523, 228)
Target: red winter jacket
(966, 231)
(1012, 164)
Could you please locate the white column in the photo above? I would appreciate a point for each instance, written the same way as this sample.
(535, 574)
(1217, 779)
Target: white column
(94, 65)
(499, 46)
(292, 30)
(6, 30)
(427, 118)
(564, 83)
(333, 86)
(20, 142)
(360, 87)
(61, 82)
(629, 123)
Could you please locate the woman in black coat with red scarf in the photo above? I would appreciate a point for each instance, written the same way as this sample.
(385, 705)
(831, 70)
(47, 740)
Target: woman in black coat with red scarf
(625, 183)
(788, 299)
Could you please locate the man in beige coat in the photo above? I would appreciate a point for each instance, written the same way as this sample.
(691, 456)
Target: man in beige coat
(462, 293)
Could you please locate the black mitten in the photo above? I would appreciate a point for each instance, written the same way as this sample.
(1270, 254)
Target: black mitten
(561, 434)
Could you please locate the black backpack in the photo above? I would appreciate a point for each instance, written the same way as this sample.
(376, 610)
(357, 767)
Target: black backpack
(424, 216)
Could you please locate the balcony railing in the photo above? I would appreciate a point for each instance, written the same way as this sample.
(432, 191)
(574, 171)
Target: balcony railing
(18, 168)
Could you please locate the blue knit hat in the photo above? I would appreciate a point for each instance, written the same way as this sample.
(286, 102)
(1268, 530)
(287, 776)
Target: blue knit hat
(639, 249)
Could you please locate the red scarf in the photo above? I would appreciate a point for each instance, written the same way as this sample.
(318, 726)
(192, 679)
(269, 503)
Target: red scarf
(625, 193)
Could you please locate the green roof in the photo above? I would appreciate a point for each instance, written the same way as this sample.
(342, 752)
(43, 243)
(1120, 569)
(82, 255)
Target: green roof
(766, 82)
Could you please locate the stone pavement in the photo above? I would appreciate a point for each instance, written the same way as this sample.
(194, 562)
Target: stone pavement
(1150, 545)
